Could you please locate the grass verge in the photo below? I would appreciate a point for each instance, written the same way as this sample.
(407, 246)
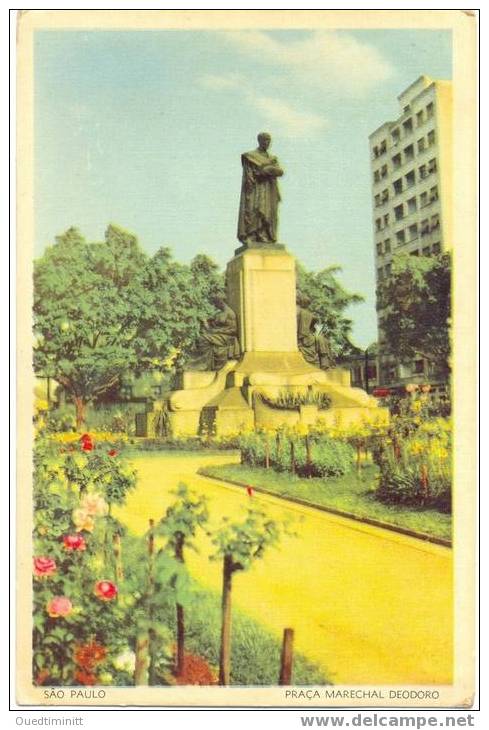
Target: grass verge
(351, 493)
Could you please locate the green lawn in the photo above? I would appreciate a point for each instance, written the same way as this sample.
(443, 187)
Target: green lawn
(352, 493)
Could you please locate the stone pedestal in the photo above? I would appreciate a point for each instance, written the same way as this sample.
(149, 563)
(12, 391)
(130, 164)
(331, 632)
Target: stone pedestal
(261, 289)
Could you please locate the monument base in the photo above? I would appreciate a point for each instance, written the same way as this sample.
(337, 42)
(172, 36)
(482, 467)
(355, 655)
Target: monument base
(238, 397)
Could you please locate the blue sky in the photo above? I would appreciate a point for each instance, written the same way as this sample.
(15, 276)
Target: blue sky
(145, 129)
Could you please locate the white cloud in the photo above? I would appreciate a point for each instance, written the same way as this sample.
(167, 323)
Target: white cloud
(276, 112)
(281, 115)
(325, 58)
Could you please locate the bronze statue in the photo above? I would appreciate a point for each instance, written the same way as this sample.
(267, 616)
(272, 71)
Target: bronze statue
(314, 346)
(258, 208)
(218, 340)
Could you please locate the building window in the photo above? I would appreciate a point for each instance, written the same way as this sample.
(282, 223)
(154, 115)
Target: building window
(383, 171)
(419, 118)
(388, 269)
(399, 212)
(413, 232)
(376, 152)
(376, 176)
(396, 161)
(423, 172)
(383, 147)
(409, 152)
(400, 238)
(410, 179)
(385, 196)
(378, 224)
(431, 138)
(426, 251)
(386, 220)
(412, 206)
(396, 135)
(421, 144)
(387, 245)
(423, 200)
(430, 110)
(407, 126)
(397, 185)
(372, 372)
(436, 248)
(435, 222)
(377, 200)
(379, 249)
(433, 194)
(406, 109)
(432, 165)
(419, 367)
(425, 227)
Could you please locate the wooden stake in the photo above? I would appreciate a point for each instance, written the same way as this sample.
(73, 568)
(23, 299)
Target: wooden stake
(119, 568)
(287, 657)
(225, 653)
(151, 590)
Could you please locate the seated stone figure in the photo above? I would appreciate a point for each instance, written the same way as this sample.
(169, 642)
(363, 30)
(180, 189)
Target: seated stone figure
(314, 347)
(218, 341)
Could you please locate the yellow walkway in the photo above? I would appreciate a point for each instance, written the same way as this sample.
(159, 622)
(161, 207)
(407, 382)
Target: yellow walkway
(368, 605)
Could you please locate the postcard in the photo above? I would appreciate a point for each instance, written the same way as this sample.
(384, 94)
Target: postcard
(247, 373)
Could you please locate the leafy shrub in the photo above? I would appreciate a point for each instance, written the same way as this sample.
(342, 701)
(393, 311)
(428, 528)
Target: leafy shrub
(416, 469)
(292, 401)
(327, 457)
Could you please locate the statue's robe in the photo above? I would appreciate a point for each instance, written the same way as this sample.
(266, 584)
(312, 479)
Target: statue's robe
(218, 342)
(314, 347)
(260, 196)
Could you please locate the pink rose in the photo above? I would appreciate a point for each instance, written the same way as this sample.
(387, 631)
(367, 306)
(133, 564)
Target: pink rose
(105, 590)
(44, 567)
(74, 542)
(59, 606)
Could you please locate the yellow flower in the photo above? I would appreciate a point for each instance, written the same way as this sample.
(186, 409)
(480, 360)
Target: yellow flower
(94, 504)
(82, 520)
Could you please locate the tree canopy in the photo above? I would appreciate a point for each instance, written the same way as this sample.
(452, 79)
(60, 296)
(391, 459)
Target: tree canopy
(414, 304)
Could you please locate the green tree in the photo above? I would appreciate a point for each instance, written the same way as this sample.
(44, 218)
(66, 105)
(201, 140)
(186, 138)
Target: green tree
(175, 300)
(239, 544)
(330, 302)
(85, 312)
(179, 526)
(415, 308)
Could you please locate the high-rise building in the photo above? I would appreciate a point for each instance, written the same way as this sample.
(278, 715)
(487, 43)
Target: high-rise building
(411, 195)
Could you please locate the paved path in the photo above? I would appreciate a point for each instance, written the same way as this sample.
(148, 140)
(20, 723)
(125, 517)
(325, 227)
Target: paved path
(369, 605)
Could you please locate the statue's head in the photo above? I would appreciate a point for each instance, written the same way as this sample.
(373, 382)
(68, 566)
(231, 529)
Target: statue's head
(264, 140)
(218, 302)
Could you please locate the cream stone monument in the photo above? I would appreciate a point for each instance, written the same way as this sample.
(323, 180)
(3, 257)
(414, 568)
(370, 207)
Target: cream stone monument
(254, 342)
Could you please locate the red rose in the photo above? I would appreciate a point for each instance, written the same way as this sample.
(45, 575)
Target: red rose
(250, 491)
(44, 567)
(85, 437)
(105, 590)
(74, 542)
(87, 446)
(59, 607)
(112, 452)
(86, 678)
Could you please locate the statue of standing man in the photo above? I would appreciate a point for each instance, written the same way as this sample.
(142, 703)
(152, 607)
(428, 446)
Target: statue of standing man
(258, 208)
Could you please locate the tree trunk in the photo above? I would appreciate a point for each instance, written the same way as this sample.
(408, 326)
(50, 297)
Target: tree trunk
(225, 654)
(180, 653)
(80, 407)
(151, 631)
(119, 569)
(141, 668)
